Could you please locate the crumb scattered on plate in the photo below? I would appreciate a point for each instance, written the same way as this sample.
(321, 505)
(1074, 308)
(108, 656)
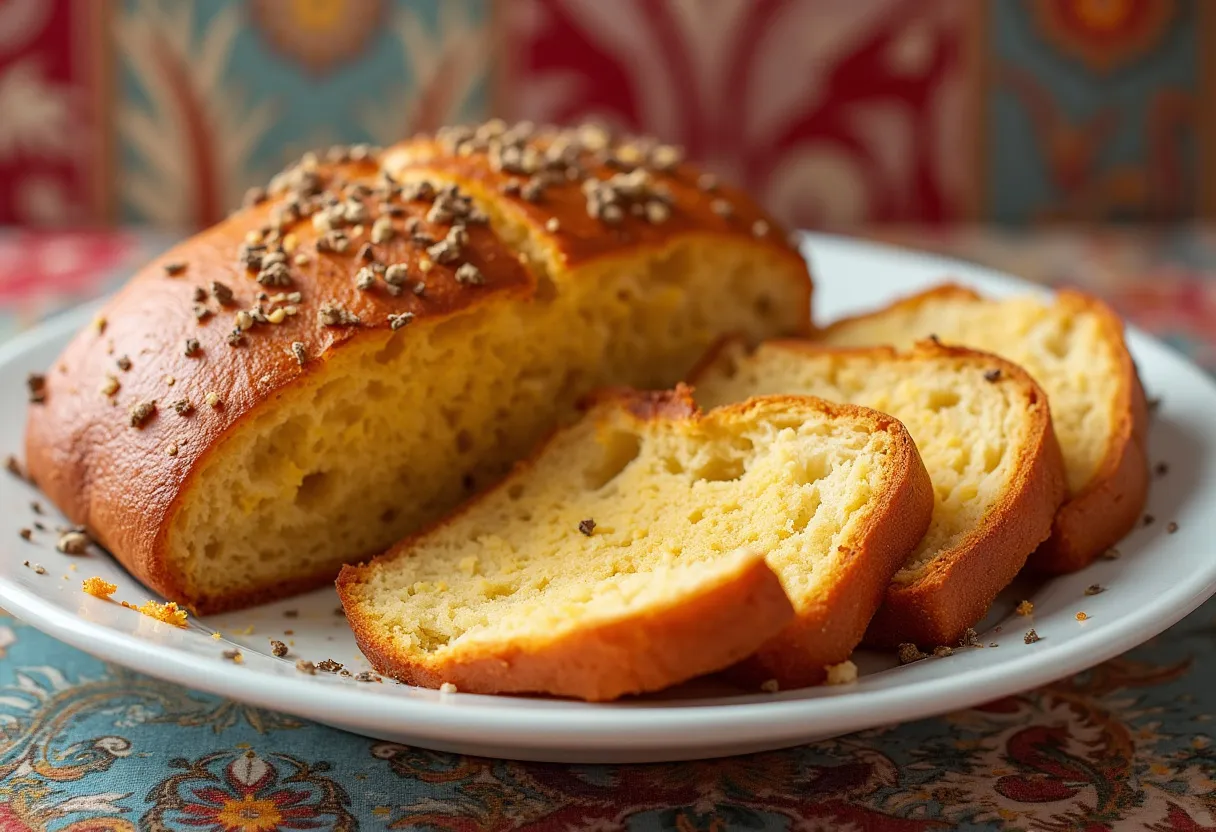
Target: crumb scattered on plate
(99, 587)
(168, 612)
(1025, 608)
(844, 673)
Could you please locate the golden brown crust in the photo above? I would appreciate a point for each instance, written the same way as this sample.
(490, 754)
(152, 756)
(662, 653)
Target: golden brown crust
(956, 592)
(121, 481)
(722, 623)
(938, 607)
(1095, 518)
(722, 212)
(826, 631)
(1110, 505)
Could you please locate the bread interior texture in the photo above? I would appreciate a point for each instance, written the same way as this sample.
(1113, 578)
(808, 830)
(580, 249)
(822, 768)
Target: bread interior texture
(397, 428)
(671, 501)
(971, 433)
(1064, 349)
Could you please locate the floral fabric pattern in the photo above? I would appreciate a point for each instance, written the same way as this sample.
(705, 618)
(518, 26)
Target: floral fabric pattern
(89, 747)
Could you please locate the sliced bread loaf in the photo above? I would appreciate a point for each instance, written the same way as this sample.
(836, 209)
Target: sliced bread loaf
(1074, 348)
(610, 563)
(983, 429)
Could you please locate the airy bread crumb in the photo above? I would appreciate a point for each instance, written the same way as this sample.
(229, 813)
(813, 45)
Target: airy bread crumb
(844, 673)
(1025, 608)
(167, 612)
(99, 587)
(447, 687)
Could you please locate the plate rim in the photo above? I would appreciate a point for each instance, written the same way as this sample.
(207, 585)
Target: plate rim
(638, 727)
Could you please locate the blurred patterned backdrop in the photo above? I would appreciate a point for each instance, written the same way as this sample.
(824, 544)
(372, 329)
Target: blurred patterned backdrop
(835, 112)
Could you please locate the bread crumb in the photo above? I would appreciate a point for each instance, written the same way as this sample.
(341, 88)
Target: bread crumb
(1082, 616)
(216, 635)
(943, 651)
(844, 673)
(305, 666)
(167, 612)
(73, 543)
(1025, 608)
(1171, 527)
(278, 648)
(1111, 554)
(1031, 637)
(909, 653)
(234, 656)
(447, 687)
(367, 676)
(99, 587)
(1094, 589)
(770, 686)
(970, 639)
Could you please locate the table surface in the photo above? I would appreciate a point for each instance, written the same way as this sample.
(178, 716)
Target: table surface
(89, 746)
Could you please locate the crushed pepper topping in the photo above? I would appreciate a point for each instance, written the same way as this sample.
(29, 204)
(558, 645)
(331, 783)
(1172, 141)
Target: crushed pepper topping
(469, 275)
(124, 363)
(183, 407)
(396, 274)
(175, 268)
(221, 293)
(1161, 469)
(141, 412)
(331, 314)
(193, 347)
(365, 278)
(1149, 520)
(586, 526)
(395, 322)
(110, 386)
(992, 375)
(73, 543)
(236, 338)
(274, 274)
(298, 351)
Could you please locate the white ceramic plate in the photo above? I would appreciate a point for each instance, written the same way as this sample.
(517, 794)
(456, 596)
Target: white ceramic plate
(1159, 579)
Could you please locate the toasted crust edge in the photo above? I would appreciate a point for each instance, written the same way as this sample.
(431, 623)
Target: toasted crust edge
(698, 634)
(827, 632)
(1095, 518)
(689, 637)
(1110, 505)
(957, 591)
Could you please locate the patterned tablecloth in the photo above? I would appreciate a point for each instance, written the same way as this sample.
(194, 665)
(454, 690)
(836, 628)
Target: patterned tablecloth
(1127, 745)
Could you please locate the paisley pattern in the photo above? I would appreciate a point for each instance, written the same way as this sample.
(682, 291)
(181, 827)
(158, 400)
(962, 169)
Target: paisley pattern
(1126, 745)
(86, 747)
(832, 111)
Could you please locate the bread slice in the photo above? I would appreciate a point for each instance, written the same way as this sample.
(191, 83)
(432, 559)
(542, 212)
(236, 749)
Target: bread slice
(610, 563)
(344, 362)
(1074, 349)
(983, 429)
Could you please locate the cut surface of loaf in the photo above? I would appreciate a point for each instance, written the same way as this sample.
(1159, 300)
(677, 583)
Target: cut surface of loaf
(1074, 349)
(983, 429)
(577, 575)
(348, 358)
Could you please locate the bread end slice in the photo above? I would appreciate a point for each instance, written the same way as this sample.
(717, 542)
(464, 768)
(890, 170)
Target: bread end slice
(1075, 349)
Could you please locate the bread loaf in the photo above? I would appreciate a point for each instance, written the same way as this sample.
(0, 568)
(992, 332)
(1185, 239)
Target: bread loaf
(983, 429)
(1074, 348)
(617, 559)
(355, 352)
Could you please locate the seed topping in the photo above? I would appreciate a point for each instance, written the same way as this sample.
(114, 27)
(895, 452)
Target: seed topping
(73, 543)
(586, 526)
(141, 412)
